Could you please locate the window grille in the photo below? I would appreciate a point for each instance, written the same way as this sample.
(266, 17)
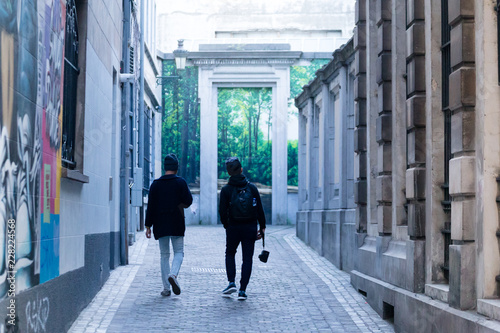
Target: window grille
(71, 72)
(446, 71)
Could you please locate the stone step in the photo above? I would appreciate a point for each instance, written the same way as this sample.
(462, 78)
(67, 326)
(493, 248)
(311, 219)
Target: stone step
(489, 308)
(438, 291)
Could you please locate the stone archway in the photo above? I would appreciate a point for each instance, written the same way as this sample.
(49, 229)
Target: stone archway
(242, 66)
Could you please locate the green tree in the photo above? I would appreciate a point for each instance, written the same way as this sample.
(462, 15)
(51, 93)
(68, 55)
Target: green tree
(293, 162)
(181, 119)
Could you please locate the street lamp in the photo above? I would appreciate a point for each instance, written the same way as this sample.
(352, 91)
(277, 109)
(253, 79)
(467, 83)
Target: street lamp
(180, 55)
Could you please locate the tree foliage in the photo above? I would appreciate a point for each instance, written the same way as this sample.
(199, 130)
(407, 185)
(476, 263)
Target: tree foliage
(293, 162)
(243, 113)
(181, 119)
(244, 123)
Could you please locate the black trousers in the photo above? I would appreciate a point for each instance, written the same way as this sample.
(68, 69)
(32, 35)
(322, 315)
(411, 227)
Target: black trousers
(245, 234)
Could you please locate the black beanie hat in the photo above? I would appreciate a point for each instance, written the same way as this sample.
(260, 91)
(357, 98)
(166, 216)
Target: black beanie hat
(171, 163)
(233, 166)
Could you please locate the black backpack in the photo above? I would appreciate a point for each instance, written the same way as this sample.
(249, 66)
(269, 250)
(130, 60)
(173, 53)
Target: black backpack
(243, 205)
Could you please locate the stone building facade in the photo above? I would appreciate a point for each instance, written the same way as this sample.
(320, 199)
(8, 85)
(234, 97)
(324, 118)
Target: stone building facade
(60, 151)
(425, 245)
(326, 214)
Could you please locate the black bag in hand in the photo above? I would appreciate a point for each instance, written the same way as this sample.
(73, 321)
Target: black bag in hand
(264, 255)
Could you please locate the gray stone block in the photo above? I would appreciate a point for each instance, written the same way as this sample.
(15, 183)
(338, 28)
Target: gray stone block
(385, 97)
(415, 40)
(463, 276)
(384, 37)
(463, 129)
(360, 139)
(463, 216)
(361, 221)
(463, 88)
(384, 12)
(415, 183)
(360, 87)
(331, 241)
(416, 219)
(384, 67)
(415, 111)
(460, 9)
(463, 44)
(384, 158)
(415, 10)
(384, 219)
(384, 189)
(360, 113)
(416, 146)
(463, 175)
(360, 166)
(360, 62)
(384, 128)
(360, 11)
(359, 39)
(415, 75)
(415, 265)
(360, 191)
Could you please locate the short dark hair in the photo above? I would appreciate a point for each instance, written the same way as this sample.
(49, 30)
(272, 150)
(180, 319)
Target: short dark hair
(171, 163)
(233, 166)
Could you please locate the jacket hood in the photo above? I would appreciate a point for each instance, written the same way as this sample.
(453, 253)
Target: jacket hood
(238, 180)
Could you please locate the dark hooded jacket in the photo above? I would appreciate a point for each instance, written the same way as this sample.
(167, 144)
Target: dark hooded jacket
(168, 196)
(225, 198)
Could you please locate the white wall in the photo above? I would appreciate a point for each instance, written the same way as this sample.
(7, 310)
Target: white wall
(308, 25)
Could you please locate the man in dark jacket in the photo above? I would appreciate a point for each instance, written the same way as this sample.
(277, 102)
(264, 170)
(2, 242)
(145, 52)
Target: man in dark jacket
(168, 196)
(240, 221)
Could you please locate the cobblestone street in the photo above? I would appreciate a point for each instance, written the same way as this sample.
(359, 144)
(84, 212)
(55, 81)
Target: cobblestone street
(295, 291)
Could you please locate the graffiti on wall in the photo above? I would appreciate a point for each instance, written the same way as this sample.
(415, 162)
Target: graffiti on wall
(31, 60)
(37, 314)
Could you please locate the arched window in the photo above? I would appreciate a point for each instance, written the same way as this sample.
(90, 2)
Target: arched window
(70, 78)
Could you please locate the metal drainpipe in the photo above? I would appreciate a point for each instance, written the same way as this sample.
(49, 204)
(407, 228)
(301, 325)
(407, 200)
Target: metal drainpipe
(125, 135)
(141, 103)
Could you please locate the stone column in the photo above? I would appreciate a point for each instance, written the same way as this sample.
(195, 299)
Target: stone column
(488, 155)
(435, 215)
(415, 108)
(281, 93)
(208, 147)
(414, 132)
(360, 158)
(301, 222)
(384, 118)
(327, 169)
(462, 165)
(372, 107)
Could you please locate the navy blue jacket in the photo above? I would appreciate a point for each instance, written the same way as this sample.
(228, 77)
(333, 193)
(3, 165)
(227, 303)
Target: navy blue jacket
(225, 198)
(168, 196)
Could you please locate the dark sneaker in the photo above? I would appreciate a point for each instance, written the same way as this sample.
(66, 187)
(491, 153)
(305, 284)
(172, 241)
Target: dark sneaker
(242, 295)
(229, 290)
(165, 293)
(175, 285)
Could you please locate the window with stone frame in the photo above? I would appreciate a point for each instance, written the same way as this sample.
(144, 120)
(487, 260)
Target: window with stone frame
(71, 73)
(72, 139)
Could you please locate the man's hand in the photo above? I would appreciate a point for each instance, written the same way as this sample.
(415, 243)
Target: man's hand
(260, 233)
(148, 232)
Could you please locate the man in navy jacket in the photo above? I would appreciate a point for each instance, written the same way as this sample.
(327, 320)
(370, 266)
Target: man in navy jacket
(168, 196)
(240, 229)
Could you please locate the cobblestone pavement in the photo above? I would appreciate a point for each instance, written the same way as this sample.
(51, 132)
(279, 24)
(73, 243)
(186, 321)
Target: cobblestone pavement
(295, 291)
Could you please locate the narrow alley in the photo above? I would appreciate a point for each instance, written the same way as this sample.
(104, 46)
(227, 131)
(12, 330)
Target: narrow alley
(295, 291)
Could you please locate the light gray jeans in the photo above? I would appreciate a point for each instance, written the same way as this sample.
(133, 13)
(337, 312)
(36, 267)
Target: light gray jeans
(178, 246)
